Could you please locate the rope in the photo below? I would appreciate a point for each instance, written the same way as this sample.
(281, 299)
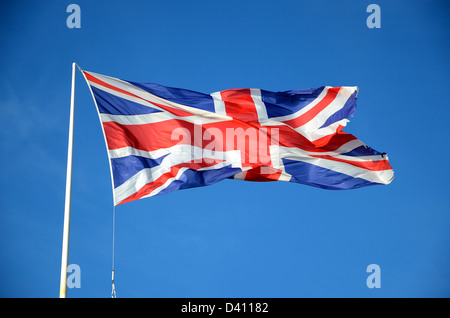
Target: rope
(113, 291)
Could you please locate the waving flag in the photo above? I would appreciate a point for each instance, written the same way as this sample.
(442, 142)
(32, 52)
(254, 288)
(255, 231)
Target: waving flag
(161, 139)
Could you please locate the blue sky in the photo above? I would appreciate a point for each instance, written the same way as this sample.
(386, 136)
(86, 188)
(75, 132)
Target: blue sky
(232, 239)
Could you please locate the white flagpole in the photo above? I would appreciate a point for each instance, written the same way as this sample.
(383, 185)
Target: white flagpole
(65, 245)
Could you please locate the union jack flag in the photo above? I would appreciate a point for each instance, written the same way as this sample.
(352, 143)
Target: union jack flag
(161, 139)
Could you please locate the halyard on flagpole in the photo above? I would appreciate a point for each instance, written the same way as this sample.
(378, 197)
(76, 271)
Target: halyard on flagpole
(65, 244)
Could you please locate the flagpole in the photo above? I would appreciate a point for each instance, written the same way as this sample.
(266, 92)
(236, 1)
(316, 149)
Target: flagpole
(65, 243)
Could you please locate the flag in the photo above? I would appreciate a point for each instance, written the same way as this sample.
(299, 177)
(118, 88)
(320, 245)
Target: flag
(161, 139)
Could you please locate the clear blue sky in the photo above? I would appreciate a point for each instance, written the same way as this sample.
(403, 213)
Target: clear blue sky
(232, 239)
